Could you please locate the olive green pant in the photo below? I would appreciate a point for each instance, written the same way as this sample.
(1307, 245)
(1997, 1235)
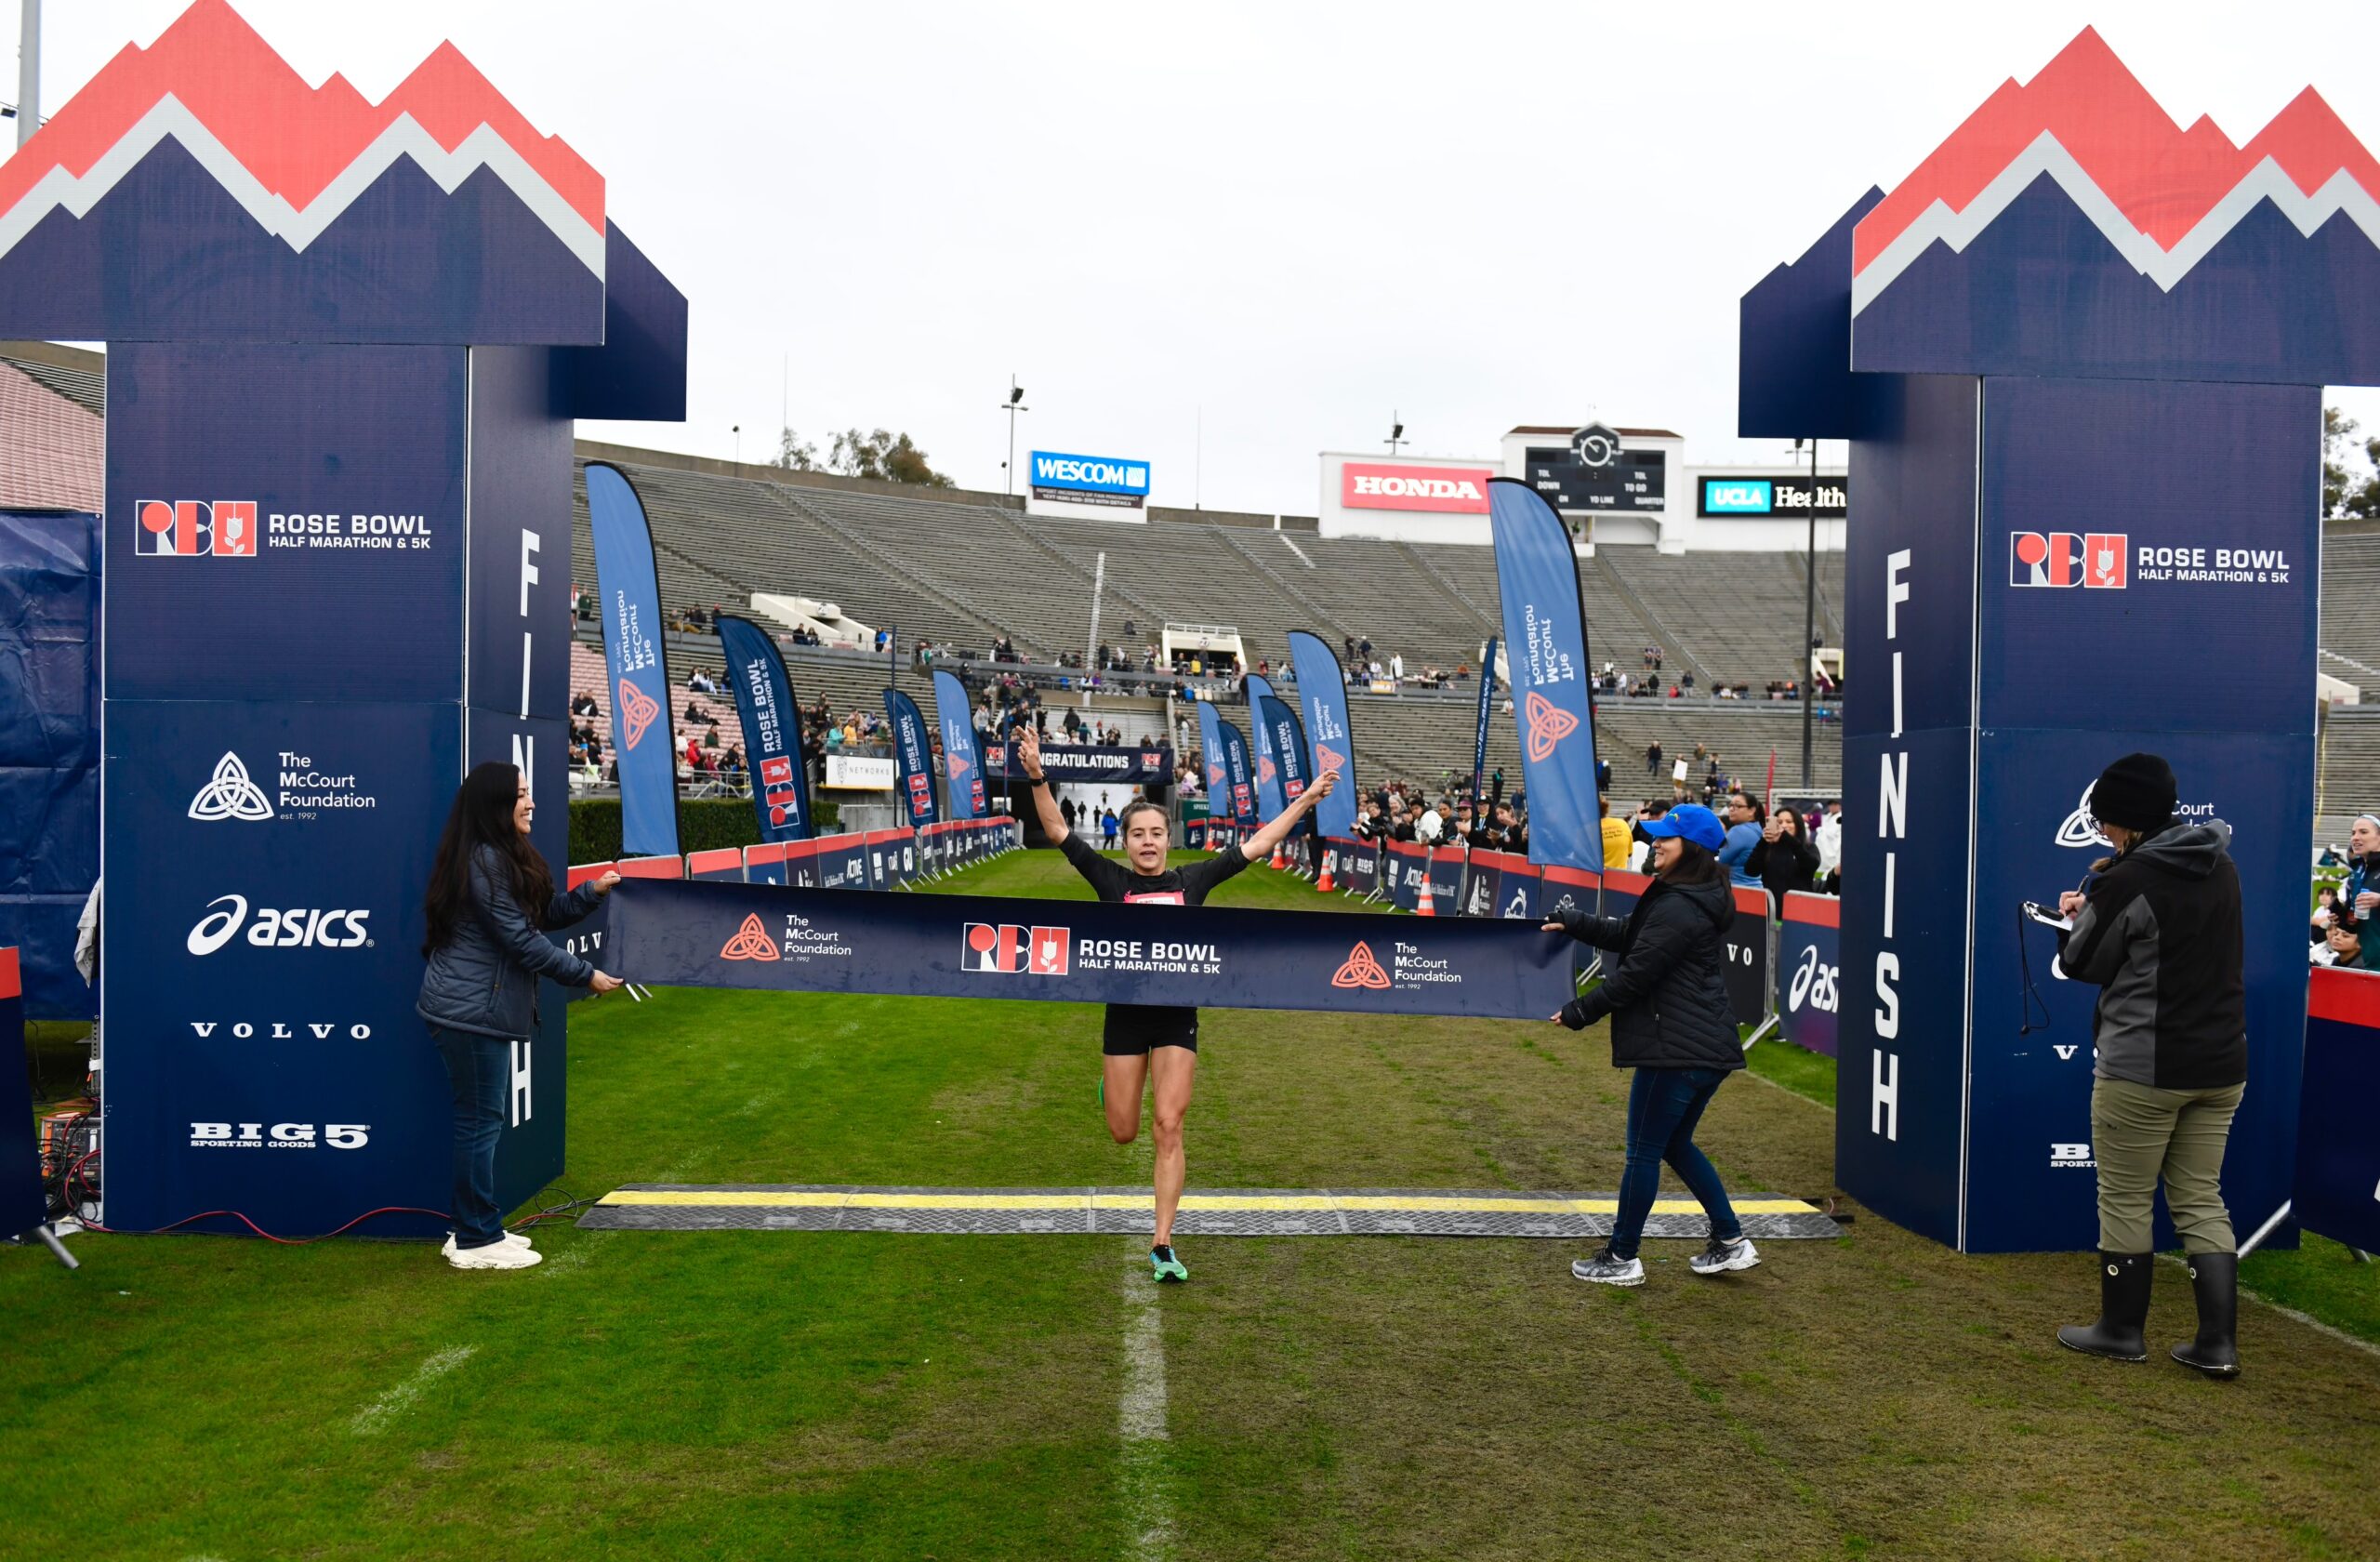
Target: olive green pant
(2140, 1134)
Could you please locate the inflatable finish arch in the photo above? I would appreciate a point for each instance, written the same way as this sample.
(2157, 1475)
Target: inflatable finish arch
(2080, 354)
(346, 342)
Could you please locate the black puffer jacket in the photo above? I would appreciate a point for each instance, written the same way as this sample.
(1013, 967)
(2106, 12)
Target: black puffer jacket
(486, 977)
(1667, 999)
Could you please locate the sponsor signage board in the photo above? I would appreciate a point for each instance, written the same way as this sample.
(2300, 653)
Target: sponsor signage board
(1437, 490)
(1771, 495)
(1090, 480)
(862, 771)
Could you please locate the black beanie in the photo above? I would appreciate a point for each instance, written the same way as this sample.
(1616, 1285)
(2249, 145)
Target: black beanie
(2137, 792)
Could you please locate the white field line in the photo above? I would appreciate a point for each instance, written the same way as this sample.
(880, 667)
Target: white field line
(375, 1416)
(1148, 1507)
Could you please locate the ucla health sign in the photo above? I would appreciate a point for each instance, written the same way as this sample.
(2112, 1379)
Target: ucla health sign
(1772, 496)
(1110, 481)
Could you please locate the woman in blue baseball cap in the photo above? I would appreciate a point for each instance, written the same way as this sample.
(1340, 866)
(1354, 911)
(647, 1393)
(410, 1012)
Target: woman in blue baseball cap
(1672, 1024)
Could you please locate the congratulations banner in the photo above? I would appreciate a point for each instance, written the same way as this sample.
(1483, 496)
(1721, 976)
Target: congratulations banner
(769, 938)
(1149, 764)
(771, 722)
(1322, 691)
(1286, 739)
(916, 763)
(1537, 575)
(642, 748)
(964, 766)
(1243, 793)
(1270, 800)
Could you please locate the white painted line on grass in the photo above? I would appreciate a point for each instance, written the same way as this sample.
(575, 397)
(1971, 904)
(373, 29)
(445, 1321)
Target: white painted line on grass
(377, 1415)
(1149, 1506)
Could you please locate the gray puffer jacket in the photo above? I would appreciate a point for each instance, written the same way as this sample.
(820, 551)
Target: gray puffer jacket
(2160, 934)
(486, 977)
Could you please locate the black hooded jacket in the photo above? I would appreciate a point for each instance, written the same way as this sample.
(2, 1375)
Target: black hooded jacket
(1667, 996)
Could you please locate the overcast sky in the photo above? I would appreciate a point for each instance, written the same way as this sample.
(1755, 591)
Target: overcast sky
(1281, 221)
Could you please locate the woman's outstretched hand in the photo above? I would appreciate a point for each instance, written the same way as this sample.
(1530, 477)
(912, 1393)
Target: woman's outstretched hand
(603, 982)
(604, 885)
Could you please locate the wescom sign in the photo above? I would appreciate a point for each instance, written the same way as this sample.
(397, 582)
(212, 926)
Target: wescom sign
(1441, 490)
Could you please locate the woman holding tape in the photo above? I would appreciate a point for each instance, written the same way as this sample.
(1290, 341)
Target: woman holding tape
(1154, 1046)
(491, 898)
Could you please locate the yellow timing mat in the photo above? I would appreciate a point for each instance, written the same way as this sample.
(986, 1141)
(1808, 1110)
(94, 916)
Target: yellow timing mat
(1118, 1211)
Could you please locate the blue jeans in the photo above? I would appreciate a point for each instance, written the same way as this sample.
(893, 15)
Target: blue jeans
(1664, 1106)
(478, 1068)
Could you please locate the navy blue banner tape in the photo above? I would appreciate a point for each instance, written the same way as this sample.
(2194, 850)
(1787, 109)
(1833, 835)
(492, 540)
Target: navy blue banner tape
(773, 938)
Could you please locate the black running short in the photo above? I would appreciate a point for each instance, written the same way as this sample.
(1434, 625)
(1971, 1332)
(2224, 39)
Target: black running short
(1134, 1029)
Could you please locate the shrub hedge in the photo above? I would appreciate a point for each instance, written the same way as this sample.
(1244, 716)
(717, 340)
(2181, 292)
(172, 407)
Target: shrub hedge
(703, 825)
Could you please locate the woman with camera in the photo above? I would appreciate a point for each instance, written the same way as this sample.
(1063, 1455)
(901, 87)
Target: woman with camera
(1671, 1023)
(491, 898)
(2157, 928)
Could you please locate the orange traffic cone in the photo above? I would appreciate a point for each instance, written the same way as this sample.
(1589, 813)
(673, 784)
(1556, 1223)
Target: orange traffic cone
(1280, 859)
(1323, 883)
(1425, 906)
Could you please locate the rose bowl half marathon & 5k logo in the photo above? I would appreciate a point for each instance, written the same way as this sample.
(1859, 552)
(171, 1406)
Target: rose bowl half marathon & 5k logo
(302, 791)
(228, 529)
(1007, 947)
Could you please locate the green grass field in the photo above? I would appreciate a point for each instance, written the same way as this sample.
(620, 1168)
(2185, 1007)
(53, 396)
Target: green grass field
(763, 1395)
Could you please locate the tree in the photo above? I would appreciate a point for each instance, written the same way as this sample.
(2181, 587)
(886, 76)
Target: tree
(885, 456)
(794, 453)
(2345, 491)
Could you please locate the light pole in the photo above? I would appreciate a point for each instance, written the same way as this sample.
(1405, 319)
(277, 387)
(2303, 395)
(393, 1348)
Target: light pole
(737, 430)
(1395, 432)
(1015, 404)
(1810, 619)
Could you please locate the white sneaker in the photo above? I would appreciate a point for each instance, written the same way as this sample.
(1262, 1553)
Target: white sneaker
(511, 1238)
(1719, 1257)
(495, 1255)
(1607, 1269)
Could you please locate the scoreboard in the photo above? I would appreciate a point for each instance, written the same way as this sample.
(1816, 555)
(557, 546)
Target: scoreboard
(1591, 472)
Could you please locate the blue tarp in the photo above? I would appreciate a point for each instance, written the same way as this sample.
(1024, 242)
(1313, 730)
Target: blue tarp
(50, 749)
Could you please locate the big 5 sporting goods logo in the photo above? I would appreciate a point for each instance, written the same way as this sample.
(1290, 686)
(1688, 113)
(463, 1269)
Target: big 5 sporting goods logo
(278, 1136)
(2095, 559)
(186, 528)
(294, 928)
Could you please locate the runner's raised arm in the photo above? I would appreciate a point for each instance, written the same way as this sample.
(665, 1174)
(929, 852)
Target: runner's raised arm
(1260, 846)
(1029, 751)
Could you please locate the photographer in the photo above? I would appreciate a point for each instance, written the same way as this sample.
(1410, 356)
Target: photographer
(1785, 861)
(2158, 930)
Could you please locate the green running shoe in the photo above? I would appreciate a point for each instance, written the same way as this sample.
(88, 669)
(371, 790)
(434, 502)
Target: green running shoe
(1168, 1267)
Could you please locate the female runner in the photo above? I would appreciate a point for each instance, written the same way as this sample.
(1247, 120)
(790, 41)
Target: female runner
(1145, 1042)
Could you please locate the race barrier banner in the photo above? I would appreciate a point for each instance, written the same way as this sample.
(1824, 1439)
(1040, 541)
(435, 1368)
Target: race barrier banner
(1147, 765)
(767, 938)
(1279, 722)
(1536, 577)
(1322, 694)
(961, 765)
(1270, 800)
(2338, 1156)
(772, 719)
(1809, 970)
(1194, 834)
(1445, 869)
(644, 750)
(1243, 786)
(1407, 864)
(910, 745)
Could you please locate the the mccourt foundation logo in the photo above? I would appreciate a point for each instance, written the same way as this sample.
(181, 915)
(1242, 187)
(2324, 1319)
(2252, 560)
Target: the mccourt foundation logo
(2093, 560)
(752, 942)
(186, 528)
(228, 794)
(1330, 759)
(637, 712)
(1361, 969)
(1548, 725)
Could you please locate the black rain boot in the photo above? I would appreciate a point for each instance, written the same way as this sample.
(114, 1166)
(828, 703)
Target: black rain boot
(2123, 1308)
(2215, 1278)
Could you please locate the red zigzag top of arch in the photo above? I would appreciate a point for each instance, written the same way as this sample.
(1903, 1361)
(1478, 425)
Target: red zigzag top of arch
(295, 138)
(2162, 178)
